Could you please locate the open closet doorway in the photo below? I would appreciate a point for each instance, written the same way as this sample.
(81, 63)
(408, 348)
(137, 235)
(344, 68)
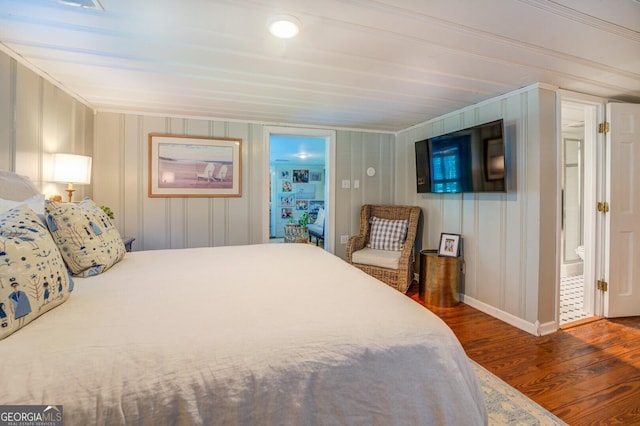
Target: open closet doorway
(298, 180)
(580, 174)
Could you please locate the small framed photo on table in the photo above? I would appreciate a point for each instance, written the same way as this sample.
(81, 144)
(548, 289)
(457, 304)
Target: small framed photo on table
(449, 245)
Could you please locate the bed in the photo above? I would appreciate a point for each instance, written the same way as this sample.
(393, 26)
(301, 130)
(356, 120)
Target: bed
(240, 335)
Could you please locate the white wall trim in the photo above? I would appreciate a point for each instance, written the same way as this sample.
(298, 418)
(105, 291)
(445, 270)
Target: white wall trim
(20, 59)
(547, 328)
(535, 328)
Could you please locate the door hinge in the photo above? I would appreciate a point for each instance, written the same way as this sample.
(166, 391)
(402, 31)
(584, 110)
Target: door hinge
(603, 206)
(602, 285)
(603, 127)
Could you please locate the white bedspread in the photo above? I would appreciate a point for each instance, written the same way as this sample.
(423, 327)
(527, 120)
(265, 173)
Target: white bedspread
(274, 334)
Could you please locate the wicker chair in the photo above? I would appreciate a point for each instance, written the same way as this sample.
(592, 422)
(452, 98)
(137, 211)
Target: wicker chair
(400, 278)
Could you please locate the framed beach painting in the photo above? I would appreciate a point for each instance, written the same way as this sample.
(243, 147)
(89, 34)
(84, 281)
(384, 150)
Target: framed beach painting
(194, 166)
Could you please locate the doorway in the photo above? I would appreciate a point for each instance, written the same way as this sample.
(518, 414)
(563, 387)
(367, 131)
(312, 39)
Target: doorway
(580, 175)
(297, 171)
(610, 181)
(298, 179)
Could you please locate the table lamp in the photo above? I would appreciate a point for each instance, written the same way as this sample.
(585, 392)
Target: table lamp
(70, 169)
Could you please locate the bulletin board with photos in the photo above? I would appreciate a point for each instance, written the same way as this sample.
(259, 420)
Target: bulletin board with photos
(300, 191)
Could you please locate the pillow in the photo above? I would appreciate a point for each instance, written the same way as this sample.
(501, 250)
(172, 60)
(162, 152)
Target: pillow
(33, 278)
(320, 218)
(35, 202)
(387, 234)
(16, 187)
(89, 242)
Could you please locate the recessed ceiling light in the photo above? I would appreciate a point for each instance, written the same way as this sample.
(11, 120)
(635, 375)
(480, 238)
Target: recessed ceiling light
(284, 26)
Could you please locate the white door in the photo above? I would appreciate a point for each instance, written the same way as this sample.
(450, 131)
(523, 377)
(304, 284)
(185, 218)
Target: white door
(622, 265)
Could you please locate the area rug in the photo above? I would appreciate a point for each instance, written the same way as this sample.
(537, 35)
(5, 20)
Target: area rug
(508, 406)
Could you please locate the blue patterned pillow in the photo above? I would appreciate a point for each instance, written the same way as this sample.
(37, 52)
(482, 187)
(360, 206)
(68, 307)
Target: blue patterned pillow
(33, 277)
(89, 242)
(387, 234)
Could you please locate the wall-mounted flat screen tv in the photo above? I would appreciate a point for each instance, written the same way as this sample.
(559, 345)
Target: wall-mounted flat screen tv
(468, 160)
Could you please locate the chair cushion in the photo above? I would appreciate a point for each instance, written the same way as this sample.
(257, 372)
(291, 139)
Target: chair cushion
(387, 234)
(382, 258)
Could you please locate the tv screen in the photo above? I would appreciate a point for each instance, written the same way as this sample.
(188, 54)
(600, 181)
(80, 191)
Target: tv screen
(468, 160)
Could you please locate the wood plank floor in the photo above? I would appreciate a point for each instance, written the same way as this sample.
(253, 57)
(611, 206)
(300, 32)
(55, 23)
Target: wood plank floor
(586, 375)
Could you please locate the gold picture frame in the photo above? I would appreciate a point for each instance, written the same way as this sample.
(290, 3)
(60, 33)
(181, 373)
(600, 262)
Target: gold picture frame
(194, 166)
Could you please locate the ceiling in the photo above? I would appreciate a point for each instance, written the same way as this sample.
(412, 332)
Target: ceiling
(286, 150)
(379, 65)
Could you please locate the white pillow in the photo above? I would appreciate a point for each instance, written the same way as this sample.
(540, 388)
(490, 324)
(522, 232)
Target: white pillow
(16, 187)
(35, 202)
(320, 217)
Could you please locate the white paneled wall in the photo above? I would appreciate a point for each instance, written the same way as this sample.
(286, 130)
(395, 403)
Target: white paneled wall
(37, 119)
(121, 167)
(7, 108)
(121, 164)
(355, 153)
(509, 239)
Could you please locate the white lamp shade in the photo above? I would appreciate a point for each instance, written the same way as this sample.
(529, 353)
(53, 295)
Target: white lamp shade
(71, 168)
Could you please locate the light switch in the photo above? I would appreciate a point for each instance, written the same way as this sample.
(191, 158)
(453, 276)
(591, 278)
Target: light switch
(346, 184)
(356, 184)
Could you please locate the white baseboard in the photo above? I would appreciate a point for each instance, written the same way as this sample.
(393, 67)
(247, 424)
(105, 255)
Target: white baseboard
(548, 328)
(536, 328)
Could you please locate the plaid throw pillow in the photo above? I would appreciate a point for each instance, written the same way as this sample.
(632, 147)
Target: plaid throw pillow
(387, 234)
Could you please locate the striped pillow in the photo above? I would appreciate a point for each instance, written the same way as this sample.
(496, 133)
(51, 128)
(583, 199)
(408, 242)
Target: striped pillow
(387, 234)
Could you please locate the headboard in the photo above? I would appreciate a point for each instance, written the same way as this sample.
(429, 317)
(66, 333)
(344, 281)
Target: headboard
(15, 187)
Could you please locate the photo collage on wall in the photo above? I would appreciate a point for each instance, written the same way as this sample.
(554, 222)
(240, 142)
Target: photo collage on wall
(297, 193)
